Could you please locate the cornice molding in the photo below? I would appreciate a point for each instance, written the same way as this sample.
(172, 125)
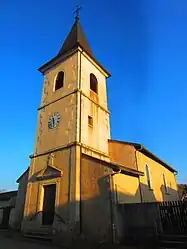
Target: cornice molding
(73, 92)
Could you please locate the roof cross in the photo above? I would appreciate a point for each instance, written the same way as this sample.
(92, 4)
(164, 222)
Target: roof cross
(76, 12)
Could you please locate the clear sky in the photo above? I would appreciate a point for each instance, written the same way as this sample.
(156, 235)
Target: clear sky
(143, 43)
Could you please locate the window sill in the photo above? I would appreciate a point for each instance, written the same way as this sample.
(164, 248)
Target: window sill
(55, 91)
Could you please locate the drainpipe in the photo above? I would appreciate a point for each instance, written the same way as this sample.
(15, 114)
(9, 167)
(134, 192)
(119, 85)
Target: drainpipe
(112, 205)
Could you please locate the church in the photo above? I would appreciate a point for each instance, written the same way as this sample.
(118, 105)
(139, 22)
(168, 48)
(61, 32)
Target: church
(78, 175)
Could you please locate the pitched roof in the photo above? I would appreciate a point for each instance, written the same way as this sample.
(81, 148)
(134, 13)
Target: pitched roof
(26, 171)
(75, 38)
(146, 152)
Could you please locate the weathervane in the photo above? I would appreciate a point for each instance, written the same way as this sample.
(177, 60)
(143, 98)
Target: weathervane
(76, 12)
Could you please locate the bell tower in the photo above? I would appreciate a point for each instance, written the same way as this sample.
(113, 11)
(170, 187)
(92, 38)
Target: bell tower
(74, 99)
(73, 118)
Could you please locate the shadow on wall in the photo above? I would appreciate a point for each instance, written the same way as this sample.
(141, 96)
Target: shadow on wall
(100, 208)
(147, 194)
(144, 194)
(95, 215)
(169, 194)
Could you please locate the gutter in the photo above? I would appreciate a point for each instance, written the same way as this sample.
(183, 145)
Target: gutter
(112, 205)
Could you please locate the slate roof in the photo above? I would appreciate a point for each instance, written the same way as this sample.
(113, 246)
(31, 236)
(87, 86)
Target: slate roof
(74, 39)
(5, 196)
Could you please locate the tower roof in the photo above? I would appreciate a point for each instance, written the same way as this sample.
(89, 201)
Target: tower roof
(74, 39)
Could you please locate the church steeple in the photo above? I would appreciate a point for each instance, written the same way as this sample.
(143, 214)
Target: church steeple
(74, 39)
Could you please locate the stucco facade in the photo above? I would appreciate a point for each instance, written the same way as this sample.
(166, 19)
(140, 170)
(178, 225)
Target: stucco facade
(96, 200)
(91, 174)
(7, 208)
(127, 189)
(132, 189)
(17, 216)
(63, 101)
(56, 159)
(157, 192)
(122, 154)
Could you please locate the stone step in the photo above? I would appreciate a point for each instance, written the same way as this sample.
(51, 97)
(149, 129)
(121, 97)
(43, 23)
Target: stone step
(173, 244)
(173, 237)
(38, 237)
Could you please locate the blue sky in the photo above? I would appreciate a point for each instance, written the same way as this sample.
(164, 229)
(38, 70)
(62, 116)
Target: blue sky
(141, 42)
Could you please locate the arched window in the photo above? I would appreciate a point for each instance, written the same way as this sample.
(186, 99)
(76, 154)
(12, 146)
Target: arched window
(148, 176)
(165, 183)
(93, 83)
(59, 80)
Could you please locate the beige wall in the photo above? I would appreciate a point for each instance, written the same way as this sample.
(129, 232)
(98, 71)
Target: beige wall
(69, 108)
(95, 200)
(66, 159)
(157, 193)
(70, 69)
(98, 135)
(17, 215)
(88, 67)
(123, 154)
(64, 133)
(126, 188)
(65, 203)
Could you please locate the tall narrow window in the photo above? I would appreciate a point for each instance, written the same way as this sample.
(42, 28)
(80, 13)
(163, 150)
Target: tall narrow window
(93, 83)
(165, 183)
(148, 176)
(59, 80)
